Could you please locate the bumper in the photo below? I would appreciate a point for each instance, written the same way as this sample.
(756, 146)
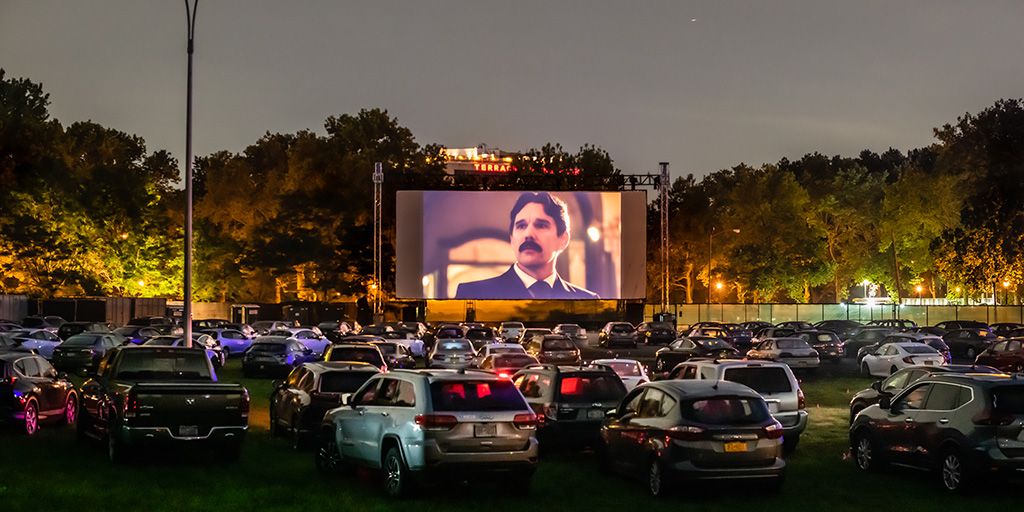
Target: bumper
(686, 470)
(164, 435)
(428, 460)
(792, 423)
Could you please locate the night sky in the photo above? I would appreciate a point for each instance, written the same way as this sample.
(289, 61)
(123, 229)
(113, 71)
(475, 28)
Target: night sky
(702, 85)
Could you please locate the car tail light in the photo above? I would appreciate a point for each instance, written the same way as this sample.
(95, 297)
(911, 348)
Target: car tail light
(436, 421)
(801, 402)
(131, 406)
(243, 404)
(525, 421)
(504, 375)
(773, 431)
(908, 359)
(687, 433)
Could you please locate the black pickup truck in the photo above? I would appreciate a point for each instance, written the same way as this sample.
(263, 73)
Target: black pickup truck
(143, 395)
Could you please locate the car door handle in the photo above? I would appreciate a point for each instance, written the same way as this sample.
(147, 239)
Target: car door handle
(361, 412)
(944, 421)
(908, 420)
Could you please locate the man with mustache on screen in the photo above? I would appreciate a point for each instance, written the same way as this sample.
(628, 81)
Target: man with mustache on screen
(539, 232)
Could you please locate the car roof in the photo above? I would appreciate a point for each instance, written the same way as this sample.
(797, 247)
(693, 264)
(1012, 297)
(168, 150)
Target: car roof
(337, 366)
(690, 388)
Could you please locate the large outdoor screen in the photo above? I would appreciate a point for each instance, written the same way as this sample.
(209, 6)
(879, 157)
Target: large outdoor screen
(514, 245)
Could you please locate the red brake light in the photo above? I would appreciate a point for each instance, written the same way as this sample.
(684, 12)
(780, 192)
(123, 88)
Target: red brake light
(801, 402)
(525, 421)
(908, 359)
(773, 431)
(131, 406)
(436, 421)
(686, 433)
(243, 404)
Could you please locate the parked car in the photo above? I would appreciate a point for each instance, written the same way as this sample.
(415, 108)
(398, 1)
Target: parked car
(480, 336)
(208, 323)
(616, 334)
(510, 330)
(630, 371)
(842, 328)
(334, 330)
(951, 325)
(572, 330)
(506, 365)
(867, 335)
(570, 402)
(396, 355)
(894, 356)
(770, 332)
(899, 380)
(275, 355)
(49, 322)
(245, 329)
(795, 352)
(69, 329)
(898, 324)
(686, 348)
(416, 426)
(1003, 329)
(969, 342)
(263, 327)
(83, 351)
(756, 325)
(796, 325)
(451, 353)
(672, 431)
(496, 349)
(530, 333)
(40, 340)
(960, 427)
(740, 337)
(1006, 355)
(310, 337)
(650, 333)
(774, 381)
(356, 353)
(827, 343)
(32, 391)
(232, 341)
(554, 349)
(926, 339)
(199, 340)
(298, 403)
(137, 333)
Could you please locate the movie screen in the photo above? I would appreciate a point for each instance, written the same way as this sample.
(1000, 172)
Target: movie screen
(514, 245)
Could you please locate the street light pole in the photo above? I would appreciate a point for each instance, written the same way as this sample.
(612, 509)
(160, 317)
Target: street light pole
(190, 20)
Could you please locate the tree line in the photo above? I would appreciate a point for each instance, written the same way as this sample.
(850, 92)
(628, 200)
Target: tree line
(88, 210)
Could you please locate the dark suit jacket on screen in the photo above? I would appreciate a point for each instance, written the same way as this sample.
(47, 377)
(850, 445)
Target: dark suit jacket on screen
(509, 286)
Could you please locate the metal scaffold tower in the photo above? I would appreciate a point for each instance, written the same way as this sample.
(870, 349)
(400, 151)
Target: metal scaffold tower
(664, 234)
(378, 182)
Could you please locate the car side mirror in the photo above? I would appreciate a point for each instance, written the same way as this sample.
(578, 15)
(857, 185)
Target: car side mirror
(876, 385)
(885, 402)
(611, 413)
(346, 399)
(278, 384)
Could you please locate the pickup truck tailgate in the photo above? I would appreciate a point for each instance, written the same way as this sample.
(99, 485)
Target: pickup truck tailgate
(182, 406)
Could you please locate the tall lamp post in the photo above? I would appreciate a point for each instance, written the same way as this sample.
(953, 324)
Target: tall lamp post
(711, 237)
(190, 20)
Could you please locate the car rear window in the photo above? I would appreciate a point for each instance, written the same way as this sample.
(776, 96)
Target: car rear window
(557, 344)
(343, 382)
(765, 379)
(625, 369)
(918, 349)
(621, 328)
(593, 388)
(725, 410)
(80, 340)
(490, 395)
(357, 354)
(793, 343)
(150, 365)
(268, 348)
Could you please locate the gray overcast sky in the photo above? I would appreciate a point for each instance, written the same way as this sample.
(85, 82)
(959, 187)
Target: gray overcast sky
(703, 85)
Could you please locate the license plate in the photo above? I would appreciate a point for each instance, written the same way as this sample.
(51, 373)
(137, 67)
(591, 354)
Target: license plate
(595, 414)
(737, 446)
(485, 430)
(929, 363)
(188, 430)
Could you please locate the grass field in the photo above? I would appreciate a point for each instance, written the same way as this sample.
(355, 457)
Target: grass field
(52, 471)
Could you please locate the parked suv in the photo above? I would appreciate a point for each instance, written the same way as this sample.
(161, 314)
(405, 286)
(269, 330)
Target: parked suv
(570, 402)
(773, 380)
(961, 426)
(416, 425)
(901, 379)
(616, 333)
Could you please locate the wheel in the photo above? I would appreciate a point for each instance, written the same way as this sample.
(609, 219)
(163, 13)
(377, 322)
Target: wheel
(327, 459)
(789, 443)
(854, 409)
(396, 475)
(31, 423)
(70, 409)
(971, 353)
(656, 478)
(865, 454)
(115, 445)
(227, 352)
(953, 472)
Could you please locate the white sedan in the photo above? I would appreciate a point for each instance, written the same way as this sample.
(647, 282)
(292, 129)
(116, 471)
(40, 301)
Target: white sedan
(630, 371)
(896, 356)
(495, 349)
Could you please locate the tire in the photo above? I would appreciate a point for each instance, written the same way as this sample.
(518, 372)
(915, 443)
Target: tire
(971, 353)
(953, 471)
(396, 475)
(327, 459)
(656, 478)
(116, 449)
(865, 453)
(31, 421)
(789, 443)
(275, 429)
(71, 409)
(855, 408)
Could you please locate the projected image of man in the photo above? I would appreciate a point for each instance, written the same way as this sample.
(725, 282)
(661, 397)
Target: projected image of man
(538, 232)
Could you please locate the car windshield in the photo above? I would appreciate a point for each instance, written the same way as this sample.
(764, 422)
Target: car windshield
(268, 348)
(357, 354)
(80, 341)
(591, 388)
(766, 379)
(343, 382)
(150, 365)
(793, 343)
(491, 395)
(387, 348)
(557, 344)
(512, 325)
(725, 410)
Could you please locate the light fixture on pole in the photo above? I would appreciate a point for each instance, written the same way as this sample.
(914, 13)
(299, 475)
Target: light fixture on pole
(711, 237)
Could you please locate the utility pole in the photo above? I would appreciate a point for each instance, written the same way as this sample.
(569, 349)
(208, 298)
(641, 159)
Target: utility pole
(190, 20)
(378, 181)
(664, 236)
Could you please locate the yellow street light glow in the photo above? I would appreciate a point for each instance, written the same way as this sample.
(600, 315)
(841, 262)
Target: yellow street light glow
(426, 280)
(919, 288)
(1006, 284)
(958, 289)
(594, 234)
(142, 283)
(124, 236)
(718, 285)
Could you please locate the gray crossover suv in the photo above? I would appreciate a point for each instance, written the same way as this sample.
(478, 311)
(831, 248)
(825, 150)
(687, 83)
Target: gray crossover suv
(419, 424)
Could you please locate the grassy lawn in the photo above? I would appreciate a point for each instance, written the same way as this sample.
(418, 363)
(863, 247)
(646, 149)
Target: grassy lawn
(52, 471)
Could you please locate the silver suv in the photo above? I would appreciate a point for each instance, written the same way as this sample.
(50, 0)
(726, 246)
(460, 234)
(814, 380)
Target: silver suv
(419, 424)
(774, 381)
